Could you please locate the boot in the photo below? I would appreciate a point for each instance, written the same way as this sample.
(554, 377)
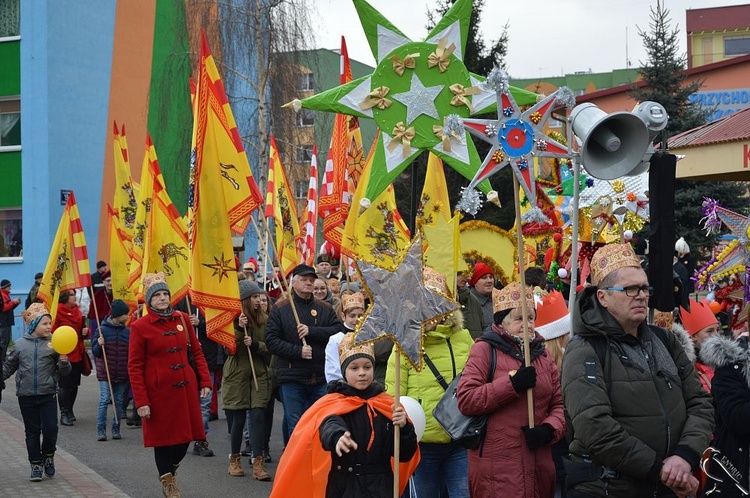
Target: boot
(116, 432)
(235, 466)
(259, 471)
(169, 486)
(65, 418)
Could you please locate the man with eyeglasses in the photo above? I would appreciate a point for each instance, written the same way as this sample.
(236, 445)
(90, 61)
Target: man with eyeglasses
(639, 418)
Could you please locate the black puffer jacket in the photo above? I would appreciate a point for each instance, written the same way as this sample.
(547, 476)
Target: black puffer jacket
(282, 339)
(731, 392)
(643, 405)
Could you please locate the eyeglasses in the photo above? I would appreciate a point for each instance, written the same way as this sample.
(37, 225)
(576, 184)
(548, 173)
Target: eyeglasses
(633, 290)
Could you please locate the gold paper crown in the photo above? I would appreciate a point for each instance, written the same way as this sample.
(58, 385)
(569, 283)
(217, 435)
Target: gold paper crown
(610, 258)
(33, 312)
(510, 297)
(150, 279)
(434, 280)
(348, 348)
(351, 301)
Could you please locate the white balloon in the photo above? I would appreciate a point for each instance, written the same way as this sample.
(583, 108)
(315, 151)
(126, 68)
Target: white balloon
(562, 273)
(416, 413)
(628, 234)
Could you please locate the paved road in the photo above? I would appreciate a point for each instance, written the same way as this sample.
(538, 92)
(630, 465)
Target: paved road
(130, 467)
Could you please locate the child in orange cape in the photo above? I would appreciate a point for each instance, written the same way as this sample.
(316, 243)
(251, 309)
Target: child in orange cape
(343, 445)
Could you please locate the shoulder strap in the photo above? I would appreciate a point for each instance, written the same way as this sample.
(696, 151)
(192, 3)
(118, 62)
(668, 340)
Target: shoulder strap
(493, 363)
(662, 335)
(184, 327)
(438, 376)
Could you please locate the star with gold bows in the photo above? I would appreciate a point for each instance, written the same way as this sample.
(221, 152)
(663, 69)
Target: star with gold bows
(401, 304)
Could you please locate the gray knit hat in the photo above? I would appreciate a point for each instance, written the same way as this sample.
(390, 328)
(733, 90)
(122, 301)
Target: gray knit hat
(249, 288)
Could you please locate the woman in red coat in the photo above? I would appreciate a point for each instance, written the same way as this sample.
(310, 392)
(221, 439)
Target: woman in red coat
(68, 313)
(514, 461)
(165, 388)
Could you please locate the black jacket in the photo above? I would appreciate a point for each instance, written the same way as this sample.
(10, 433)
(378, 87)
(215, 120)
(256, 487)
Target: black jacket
(210, 348)
(730, 389)
(372, 482)
(282, 339)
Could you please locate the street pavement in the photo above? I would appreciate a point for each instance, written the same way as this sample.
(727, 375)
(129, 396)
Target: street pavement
(119, 468)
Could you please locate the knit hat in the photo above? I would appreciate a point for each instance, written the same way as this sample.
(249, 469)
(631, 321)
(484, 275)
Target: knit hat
(352, 301)
(480, 270)
(552, 317)
(350, 351)
(152, 283)
(610, 258)
(350, 287)
(698, 318)
(681, 247)
(118, 308)
(33, 315)
(4, 283)
(249, 288)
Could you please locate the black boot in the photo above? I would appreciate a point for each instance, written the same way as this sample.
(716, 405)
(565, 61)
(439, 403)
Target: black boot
(65, 418)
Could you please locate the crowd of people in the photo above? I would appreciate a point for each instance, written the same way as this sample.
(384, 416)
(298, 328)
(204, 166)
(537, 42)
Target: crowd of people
(605, 405)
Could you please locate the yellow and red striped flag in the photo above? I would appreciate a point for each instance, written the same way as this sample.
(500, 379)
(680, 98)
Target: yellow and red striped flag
(280, 207)
(345, 163)
(119, 260)
(68, 264)
(310, 220)
(213, 274)
(125, 202)
(210, 104)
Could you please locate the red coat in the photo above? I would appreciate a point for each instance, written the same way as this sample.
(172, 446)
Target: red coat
(73, 318)
(157, 345)
(507, 467)
(103, 301)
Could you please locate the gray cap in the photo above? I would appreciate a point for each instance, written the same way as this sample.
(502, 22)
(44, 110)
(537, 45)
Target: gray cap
(350, 286)
(249, 288)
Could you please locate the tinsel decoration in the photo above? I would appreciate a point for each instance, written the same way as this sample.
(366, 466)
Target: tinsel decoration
(711, 221)
(566, 97)
(490, 130)
(471, 201)
(535, 215)
(497, 80)
(554, 277)
(453, 125)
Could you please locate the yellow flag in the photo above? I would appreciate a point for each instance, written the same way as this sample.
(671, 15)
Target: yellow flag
(142, 217)
(280, 207)
(443, 251)
(125, 203)
(119, 260)
(377, 234)
(68, 264)
(434, 201)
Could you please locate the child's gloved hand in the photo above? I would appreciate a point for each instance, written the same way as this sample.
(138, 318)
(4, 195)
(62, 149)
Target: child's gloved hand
(345, 444)
(399, 416)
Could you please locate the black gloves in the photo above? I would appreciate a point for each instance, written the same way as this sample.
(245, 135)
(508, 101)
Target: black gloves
(538, 436)
(524, 378)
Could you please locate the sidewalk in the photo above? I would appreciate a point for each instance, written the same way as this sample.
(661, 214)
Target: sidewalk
(73, 479)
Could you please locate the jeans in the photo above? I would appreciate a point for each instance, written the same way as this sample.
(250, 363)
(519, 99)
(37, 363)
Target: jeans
(297, 398)
(206, 407)
(442, 465)
(39, 418)
(105, 400)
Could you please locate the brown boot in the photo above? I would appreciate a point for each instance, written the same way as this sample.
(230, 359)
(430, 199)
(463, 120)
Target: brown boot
(259, 471)
(169, 486)
(235, 466)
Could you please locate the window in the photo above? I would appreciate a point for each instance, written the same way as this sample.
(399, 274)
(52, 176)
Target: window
(11, 240)
(306, 82)
(10, 123)
(10, 18)
(305, 117)
(300, 189)
(304, 153)
(736, 45)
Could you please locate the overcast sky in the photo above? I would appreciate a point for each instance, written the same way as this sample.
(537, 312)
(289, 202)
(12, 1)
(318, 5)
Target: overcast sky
(546, 37)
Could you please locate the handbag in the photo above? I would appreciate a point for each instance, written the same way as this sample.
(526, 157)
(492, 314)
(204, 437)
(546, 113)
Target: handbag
(86, 367)
(191, 360)
(468, 431)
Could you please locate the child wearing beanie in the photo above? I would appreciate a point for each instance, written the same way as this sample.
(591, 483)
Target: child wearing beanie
(109, 346)
(350, 429)
(39, 368)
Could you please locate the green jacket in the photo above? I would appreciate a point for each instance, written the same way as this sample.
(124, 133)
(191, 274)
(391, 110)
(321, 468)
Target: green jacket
(644, 405)
(423, 386)
(237, 387)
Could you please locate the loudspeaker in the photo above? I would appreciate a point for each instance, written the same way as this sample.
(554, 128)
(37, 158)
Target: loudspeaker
(613, 144)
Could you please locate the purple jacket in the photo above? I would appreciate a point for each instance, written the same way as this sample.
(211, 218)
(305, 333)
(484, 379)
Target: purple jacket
(116, 344)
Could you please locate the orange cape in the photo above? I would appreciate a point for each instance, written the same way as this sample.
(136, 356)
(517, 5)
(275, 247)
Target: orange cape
(304, 465)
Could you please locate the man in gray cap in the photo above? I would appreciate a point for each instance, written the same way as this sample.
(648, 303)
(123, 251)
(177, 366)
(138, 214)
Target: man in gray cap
(300, 346)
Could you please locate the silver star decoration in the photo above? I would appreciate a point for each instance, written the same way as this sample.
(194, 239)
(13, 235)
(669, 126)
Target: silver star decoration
(419, 99)
(401, 304)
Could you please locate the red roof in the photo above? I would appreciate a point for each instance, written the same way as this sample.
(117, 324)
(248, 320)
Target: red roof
(727, 129)
(718, 18)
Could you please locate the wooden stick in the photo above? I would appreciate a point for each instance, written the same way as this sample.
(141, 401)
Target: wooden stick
(104, 356)
(524, 311)
(252, 366)
(396, 429)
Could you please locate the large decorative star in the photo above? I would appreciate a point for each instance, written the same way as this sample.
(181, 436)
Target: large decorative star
(435, 62)
(735, 257)
(221, 267)
(419, 99)
(516, 137)
(401, 304)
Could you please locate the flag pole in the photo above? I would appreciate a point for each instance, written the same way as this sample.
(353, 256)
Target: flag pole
(252, 365)
(522, 279)
(104, 356)
(396, 428)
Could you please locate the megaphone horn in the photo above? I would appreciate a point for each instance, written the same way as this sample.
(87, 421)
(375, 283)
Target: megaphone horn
(613, 144)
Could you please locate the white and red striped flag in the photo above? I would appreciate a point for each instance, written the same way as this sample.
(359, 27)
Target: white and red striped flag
(310, 221)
